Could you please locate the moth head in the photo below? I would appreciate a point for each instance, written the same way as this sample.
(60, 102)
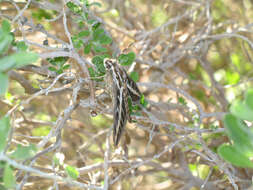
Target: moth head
(109, 63)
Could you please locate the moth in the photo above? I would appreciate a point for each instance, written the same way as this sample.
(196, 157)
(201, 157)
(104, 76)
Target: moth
(121, 88)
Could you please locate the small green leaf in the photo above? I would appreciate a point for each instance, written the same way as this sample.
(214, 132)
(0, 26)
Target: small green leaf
(84, 33)
(66, 67)
(182, 100)
(105, 40)
(95, 24)
(17, 60)
(77, 42)
(232, 155)
(72, 172)
(57, 61)
(98, 33)
(52, 69)
(8, 177)
(126, 59)
(22, 46)
(92, 21)
(87, 48)
(4, 83)
(143, 102)
(74, 8)
(92, 72)
(135, 76)
(24, 152)
(99, 49)
(6, 26)
(97, 60)
(4, 131)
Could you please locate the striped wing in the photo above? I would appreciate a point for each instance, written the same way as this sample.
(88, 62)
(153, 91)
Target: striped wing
(121, 113)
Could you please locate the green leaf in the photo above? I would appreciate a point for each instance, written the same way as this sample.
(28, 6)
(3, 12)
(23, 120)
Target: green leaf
(232, 155)
(22, 46)
(241, 134)
(77, 42)
(98, 33)
(52, 69)
(98, 61)
(74, 8)
(84, 33)
(95, 24)
(92, 72)
(99, 49)
(126, 59)
(6, 26)
(57, 61)
(143, 102)
(72, 172)
(66, 67)
(87, 48)
(5, 41)
(105, 40)
(4, 131)
(241, 110)
(8, 177)
(4, 83)
(17, 60)
(135, 76)
(24, 152)
(182, 100)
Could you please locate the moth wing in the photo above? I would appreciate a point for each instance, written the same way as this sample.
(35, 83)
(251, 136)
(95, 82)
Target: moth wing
(119, 113)
(133, 89)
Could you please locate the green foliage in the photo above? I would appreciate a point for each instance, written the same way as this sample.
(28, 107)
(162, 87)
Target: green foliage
(24, 152)
(17, 60)
(72, 172)
(14, 60)
(143, 102)
(4, 131)
(8, 177)
(182, 101)
(135, 76)
(58, 64)
(41, 14)
(231, 154)
(126, 59)
(97, 36)
(239, 133)
(98, 61)
(74, 8)
(244, 109)
(5, 37)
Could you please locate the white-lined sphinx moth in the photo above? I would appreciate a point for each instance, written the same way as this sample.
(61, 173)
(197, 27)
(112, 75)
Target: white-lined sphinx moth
(121, 87)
